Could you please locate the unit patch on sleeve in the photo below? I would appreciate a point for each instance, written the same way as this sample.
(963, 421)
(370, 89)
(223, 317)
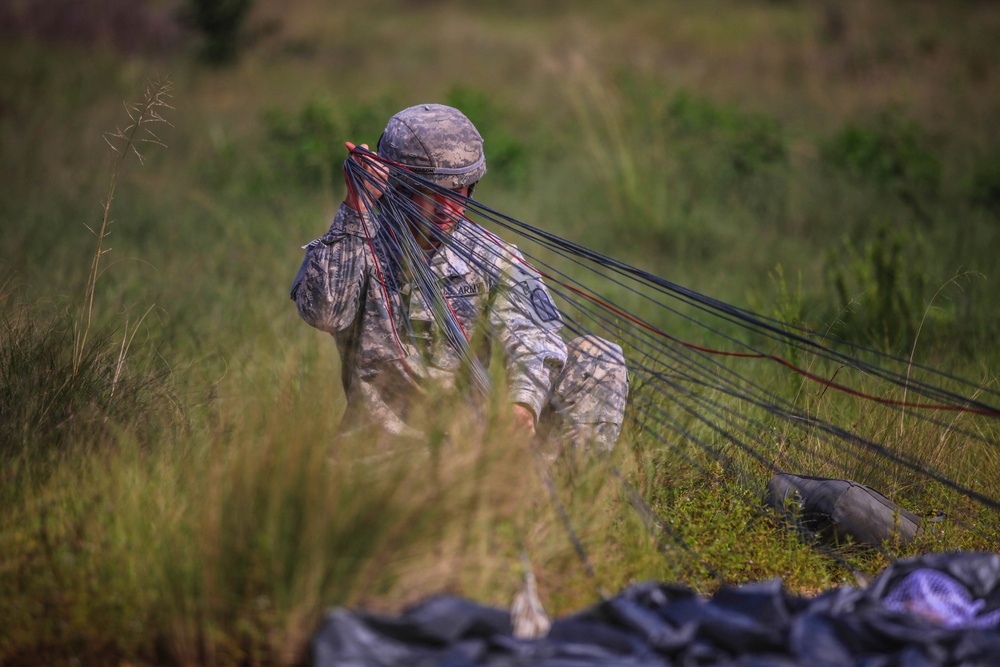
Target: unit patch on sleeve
(542, 303)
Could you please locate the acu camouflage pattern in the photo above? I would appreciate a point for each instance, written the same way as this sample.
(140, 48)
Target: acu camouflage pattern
(392, 350)
(588, 400)
(437, 142)
(391, 347)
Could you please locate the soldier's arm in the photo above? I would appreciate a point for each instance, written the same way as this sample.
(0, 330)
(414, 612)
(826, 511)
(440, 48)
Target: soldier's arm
(525, 322)
(330, 283)
(328, 287)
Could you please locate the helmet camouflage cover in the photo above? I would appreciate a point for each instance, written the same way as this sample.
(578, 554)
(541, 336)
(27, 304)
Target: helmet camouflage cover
(436, 141)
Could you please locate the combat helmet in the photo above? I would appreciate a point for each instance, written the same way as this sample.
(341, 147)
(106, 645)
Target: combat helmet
(436, 141)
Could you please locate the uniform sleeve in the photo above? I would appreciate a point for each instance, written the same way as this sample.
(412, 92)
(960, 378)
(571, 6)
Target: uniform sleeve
(526, 322)
(329, 284)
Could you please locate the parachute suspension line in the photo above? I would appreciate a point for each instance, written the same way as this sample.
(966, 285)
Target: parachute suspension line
(689, 376)
(962, 404)
(800, 419)
(404, 247)
(564, 518)
(396, 208)
(686, 434)
(353, 172)
(585, 252)
(732, 313)
(803, 421)
(416, 265)
(788, 413)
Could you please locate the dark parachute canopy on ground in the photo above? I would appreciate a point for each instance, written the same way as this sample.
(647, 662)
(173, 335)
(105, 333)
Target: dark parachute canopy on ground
(941, 609)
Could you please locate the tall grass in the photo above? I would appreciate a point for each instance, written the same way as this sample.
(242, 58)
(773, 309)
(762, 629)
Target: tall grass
(228, 543)
(192, 505)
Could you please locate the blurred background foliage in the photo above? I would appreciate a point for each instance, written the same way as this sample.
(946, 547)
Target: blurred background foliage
(832, 163)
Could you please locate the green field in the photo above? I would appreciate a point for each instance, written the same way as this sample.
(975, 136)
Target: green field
(172, 491)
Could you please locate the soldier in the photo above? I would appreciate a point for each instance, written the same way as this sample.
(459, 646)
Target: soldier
(384, 324)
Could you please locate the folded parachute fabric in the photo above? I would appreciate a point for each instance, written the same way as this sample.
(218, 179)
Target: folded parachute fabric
(939, 609)
(838, 509)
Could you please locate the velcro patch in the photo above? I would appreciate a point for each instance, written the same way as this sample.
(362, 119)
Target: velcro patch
(543, 306)
(463, 289)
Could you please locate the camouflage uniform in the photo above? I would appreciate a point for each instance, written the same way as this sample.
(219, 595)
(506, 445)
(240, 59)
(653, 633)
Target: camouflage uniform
(390, 346)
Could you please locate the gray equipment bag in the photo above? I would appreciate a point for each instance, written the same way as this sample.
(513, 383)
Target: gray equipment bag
(836, 509)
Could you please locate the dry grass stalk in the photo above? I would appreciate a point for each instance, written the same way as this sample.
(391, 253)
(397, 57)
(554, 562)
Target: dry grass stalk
(123, 142)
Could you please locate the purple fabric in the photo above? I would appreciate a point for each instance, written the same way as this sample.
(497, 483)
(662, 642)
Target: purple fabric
(935, 596)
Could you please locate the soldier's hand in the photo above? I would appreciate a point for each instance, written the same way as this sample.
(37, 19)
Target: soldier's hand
(524, 418)
(374, 187)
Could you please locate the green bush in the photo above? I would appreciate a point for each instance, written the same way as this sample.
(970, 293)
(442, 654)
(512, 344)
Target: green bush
(309, 144)
(749, 142)
(891, 153)
(880, 291)
(680, 171)
(728, 156)
(984, 186)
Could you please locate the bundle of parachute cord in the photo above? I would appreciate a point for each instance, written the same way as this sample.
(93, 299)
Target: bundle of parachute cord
(681, 390)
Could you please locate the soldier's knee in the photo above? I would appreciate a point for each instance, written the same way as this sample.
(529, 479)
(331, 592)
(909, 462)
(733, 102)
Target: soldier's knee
(596, 376)
(597, 359)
